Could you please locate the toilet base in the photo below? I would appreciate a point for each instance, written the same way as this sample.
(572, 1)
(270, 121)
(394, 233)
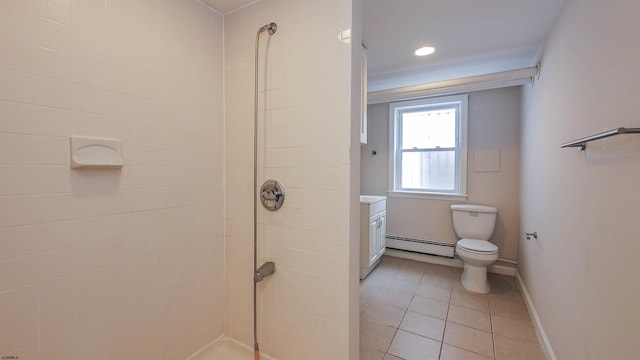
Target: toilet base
(474, 279)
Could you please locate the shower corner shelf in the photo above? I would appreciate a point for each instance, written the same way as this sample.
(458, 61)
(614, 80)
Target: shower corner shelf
(581, 144)
(95, 153)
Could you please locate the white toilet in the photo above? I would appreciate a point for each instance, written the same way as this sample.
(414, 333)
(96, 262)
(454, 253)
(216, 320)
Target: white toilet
(474, 226)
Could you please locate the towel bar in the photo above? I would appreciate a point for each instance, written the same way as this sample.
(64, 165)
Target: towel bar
(581, 144)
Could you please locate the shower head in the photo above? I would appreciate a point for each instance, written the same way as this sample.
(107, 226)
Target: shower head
(271, 28)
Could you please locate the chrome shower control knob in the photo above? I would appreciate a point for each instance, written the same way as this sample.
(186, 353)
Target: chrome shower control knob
(272, 194)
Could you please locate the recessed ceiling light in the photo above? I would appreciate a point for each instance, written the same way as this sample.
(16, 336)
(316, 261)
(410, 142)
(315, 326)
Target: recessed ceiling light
(424, 51)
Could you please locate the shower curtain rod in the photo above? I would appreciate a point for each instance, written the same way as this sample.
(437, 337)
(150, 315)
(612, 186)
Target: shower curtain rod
(456, 86)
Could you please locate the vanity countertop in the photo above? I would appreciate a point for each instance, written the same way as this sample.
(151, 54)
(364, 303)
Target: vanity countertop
(371, 199)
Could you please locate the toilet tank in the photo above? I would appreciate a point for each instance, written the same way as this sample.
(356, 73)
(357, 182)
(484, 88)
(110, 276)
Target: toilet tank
(474, 221)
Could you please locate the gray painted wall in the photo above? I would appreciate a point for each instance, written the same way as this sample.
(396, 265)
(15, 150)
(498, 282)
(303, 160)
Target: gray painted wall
(582, 271)
(493, 124)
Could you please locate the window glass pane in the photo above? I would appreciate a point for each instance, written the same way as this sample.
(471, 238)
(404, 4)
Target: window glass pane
(434, 170)
(429, 129)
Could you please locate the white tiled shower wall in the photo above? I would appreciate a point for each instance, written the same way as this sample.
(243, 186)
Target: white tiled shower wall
(110, 264)
(304, 141)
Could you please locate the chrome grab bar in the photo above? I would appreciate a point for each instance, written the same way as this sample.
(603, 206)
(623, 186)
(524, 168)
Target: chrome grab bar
(581, 144)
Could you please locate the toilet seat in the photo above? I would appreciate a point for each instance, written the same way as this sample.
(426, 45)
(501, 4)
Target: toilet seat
(480, 247)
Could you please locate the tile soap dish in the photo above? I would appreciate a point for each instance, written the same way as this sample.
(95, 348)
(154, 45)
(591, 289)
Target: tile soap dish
(95, 152)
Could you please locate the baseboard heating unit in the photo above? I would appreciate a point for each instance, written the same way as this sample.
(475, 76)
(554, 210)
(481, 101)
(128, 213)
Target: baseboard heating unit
(420, 246)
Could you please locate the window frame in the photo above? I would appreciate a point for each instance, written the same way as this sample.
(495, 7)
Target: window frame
(395, 162)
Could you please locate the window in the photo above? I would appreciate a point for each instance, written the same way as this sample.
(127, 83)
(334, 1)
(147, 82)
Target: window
(428, 147)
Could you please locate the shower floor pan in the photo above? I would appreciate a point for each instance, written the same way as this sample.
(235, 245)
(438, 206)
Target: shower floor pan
(227, 349)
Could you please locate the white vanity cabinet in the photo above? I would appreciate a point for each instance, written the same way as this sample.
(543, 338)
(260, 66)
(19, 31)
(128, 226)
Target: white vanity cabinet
(373, 226)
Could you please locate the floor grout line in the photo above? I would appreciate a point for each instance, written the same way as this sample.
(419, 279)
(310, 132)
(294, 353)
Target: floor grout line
(493, 338)
(401, 269)
(446, 320)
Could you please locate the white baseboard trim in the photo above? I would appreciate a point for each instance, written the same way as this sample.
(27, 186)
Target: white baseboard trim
(542, 335)
(502, 268)
(499, 267)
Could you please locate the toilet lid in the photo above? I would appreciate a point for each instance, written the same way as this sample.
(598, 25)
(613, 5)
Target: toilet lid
(481, 246)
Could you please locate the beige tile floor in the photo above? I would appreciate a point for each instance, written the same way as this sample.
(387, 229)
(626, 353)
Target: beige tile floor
(413, 310)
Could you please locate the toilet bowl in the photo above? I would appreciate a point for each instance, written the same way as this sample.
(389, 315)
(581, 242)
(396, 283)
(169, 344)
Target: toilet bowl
(476, 256)
(474, 224)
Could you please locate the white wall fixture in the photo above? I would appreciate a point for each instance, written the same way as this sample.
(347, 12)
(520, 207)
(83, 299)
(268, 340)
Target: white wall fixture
(95, 152)
(486, 161)
(363, 95)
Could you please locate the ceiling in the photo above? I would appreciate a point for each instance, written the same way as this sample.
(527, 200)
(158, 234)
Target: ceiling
(471, 37)
(224, 6)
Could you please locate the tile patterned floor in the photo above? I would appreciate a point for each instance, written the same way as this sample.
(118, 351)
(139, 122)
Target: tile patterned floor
(416, 311)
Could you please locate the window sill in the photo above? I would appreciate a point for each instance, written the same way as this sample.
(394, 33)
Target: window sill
(430, 196)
